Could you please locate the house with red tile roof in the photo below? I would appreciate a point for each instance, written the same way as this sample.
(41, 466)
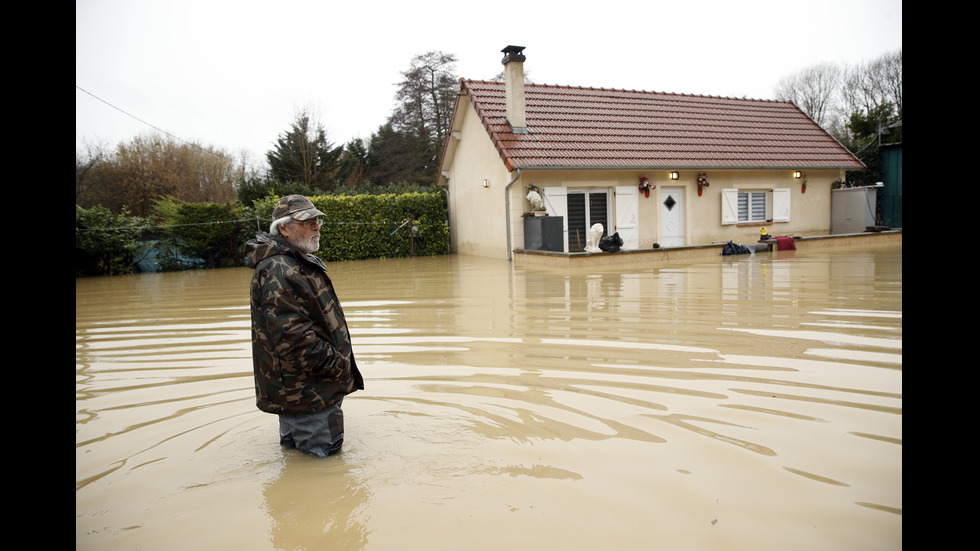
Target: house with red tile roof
(660, 169)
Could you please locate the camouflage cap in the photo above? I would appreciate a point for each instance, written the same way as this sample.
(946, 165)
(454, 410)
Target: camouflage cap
(297, 206)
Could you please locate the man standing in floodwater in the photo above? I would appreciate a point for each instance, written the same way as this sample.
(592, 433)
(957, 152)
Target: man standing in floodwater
(301, 351)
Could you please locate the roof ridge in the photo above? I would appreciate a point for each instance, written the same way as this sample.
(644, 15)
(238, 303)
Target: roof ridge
(528, 85)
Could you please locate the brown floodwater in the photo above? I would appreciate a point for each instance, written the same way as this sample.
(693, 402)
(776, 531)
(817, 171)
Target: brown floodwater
(737, 403)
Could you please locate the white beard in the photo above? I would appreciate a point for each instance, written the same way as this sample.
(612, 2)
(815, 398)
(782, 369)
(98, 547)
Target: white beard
(309, 246)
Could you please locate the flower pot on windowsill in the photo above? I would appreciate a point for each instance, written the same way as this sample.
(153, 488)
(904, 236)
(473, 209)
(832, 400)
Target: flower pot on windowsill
(541, 213)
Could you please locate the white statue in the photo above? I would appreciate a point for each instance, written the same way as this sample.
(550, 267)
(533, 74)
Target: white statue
(537, 202)
(595, 233)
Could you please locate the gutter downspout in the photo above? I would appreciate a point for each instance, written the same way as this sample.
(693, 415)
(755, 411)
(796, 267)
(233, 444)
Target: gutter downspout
(507, 208)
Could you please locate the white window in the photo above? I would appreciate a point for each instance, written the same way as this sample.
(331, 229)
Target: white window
(754, 205)
(751, 206)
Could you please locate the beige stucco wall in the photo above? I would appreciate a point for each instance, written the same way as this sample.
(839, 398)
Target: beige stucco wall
(478, 213)
(809, 211)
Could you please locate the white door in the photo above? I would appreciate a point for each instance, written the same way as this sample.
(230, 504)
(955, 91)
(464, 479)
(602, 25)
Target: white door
(672, 217)
(627, 212)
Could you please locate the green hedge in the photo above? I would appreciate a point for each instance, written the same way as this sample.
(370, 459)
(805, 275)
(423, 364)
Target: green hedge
(107, 243)
(195, 235)
(208, 233)
(358, 227)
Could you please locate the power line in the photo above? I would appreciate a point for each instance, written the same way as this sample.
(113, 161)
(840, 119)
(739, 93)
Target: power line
(159, 227)
(219, 153)
(144, 228)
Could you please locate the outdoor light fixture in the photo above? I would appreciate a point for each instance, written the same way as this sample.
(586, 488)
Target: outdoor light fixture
(486, 183)
(797, 174)
(674, 175)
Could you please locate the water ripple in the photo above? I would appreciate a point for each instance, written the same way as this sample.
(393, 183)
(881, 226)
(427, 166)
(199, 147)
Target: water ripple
(740, 395)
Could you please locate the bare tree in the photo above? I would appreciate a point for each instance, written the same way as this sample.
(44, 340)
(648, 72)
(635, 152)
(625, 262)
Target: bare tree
(148, 167)
(87, 164)
(869, 85)
(425, 99)
(891, 74)
(426, 95)
(247, 166)
(209, 176)
(814, 90)
(832, 94)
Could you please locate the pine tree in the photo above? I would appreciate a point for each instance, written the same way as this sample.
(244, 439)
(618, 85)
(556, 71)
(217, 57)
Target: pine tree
(303, 155)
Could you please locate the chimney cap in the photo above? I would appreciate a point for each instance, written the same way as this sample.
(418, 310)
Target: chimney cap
(513, 53)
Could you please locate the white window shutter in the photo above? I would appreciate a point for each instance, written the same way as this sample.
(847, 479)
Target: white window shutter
(556, 201)
(627, 214)
(729, 206)
(780, 205)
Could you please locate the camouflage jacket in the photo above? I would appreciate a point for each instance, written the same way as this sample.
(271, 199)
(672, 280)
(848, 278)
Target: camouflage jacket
(301, 349)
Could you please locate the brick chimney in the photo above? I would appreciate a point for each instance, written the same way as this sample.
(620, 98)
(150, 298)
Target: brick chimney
(514, 88)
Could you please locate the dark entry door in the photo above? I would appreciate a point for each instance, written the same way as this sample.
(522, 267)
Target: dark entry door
(585, 208)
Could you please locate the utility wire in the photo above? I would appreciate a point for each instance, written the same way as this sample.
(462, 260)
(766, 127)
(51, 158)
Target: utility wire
(143, 228)
(134, 228)
(221, 154)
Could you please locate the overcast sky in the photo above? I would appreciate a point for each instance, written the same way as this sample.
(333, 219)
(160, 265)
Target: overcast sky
(233, 73)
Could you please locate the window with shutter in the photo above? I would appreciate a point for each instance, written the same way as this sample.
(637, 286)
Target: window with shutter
(738, 206)
(752, 206)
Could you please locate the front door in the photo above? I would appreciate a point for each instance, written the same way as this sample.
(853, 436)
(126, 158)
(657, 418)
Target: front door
(627, 216)
(672, 217)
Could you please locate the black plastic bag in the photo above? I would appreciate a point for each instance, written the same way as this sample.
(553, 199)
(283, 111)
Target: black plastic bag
(732, 248)
(610, 243)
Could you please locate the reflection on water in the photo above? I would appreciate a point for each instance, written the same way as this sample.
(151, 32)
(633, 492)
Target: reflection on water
(728, 403)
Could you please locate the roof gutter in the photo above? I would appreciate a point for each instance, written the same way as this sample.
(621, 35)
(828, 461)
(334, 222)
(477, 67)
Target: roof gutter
(701, 168)
(507, 208)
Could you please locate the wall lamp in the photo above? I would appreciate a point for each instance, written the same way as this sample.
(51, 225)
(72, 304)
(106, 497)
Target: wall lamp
(486, 183)
(674, 175)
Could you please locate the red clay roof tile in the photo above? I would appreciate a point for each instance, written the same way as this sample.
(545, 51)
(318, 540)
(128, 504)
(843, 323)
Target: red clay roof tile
(573, 127)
